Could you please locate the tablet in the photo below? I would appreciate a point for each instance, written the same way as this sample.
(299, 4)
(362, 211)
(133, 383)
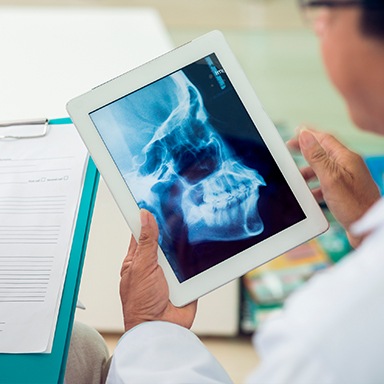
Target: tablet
(185, 137)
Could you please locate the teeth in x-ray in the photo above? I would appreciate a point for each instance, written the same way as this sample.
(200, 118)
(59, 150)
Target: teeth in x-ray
(220, 224)
(229, 215)
(224, 204)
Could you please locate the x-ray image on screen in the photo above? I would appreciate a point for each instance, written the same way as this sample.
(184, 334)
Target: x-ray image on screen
(191, 155)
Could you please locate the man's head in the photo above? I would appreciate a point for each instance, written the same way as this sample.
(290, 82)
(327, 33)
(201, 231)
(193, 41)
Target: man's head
(351, 37)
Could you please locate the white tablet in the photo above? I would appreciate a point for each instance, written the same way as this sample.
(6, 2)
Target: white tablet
(185, 137)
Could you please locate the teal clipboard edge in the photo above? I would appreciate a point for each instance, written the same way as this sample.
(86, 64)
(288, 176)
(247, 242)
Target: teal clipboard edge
(49, 368)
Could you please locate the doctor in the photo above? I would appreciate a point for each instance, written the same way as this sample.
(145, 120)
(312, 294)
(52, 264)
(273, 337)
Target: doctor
(331, 331)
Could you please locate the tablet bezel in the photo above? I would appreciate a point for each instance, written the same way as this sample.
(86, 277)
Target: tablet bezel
(80, 108)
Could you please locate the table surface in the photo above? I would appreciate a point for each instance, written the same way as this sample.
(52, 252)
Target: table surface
(50, 55)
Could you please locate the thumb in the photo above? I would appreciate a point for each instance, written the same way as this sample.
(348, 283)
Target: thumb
(316, 156)
(148, 240)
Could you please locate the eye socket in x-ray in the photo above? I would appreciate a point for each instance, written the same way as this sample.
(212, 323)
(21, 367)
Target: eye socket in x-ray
(190, 153)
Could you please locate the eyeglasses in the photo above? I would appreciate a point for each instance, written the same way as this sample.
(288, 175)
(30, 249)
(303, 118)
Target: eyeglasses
(319, 3)
(312, 10)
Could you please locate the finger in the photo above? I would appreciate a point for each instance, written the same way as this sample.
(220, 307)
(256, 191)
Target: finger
(192, 307)
(188, 314)
(308, 173)
(318, 195)
(293, 145)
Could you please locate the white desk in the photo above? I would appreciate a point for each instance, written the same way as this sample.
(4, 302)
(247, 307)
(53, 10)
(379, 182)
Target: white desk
(50, 55)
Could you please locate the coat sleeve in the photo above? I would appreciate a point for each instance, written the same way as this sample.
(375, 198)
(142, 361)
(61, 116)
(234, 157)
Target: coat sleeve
(161, 352)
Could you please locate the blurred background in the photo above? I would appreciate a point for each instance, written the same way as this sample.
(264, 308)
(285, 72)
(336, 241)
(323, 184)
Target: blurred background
(280, 55)
(277, 50)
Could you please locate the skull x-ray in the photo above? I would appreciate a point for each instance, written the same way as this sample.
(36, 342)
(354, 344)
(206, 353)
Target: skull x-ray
(189, 153)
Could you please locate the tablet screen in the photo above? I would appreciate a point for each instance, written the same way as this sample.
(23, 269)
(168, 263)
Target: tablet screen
(190, 153)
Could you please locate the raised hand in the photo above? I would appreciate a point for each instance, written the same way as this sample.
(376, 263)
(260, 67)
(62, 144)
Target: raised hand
(346, 185)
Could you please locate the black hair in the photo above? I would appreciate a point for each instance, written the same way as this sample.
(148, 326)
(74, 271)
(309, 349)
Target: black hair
(372, 18)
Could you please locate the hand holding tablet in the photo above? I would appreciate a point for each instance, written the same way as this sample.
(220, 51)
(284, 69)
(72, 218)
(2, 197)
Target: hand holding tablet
(185, 137)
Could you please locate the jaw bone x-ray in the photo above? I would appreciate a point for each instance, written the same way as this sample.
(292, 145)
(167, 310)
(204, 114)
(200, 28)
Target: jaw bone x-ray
(177, 163)
(217, 195)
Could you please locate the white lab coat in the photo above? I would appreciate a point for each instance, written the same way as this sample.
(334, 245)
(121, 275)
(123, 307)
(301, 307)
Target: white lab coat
(331, 331)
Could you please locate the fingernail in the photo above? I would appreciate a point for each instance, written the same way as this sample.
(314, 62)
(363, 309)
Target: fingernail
(307, 139)
(144, 217)
(300, 128)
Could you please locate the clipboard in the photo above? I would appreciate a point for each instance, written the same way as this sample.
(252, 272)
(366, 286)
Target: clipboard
(49, 368)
